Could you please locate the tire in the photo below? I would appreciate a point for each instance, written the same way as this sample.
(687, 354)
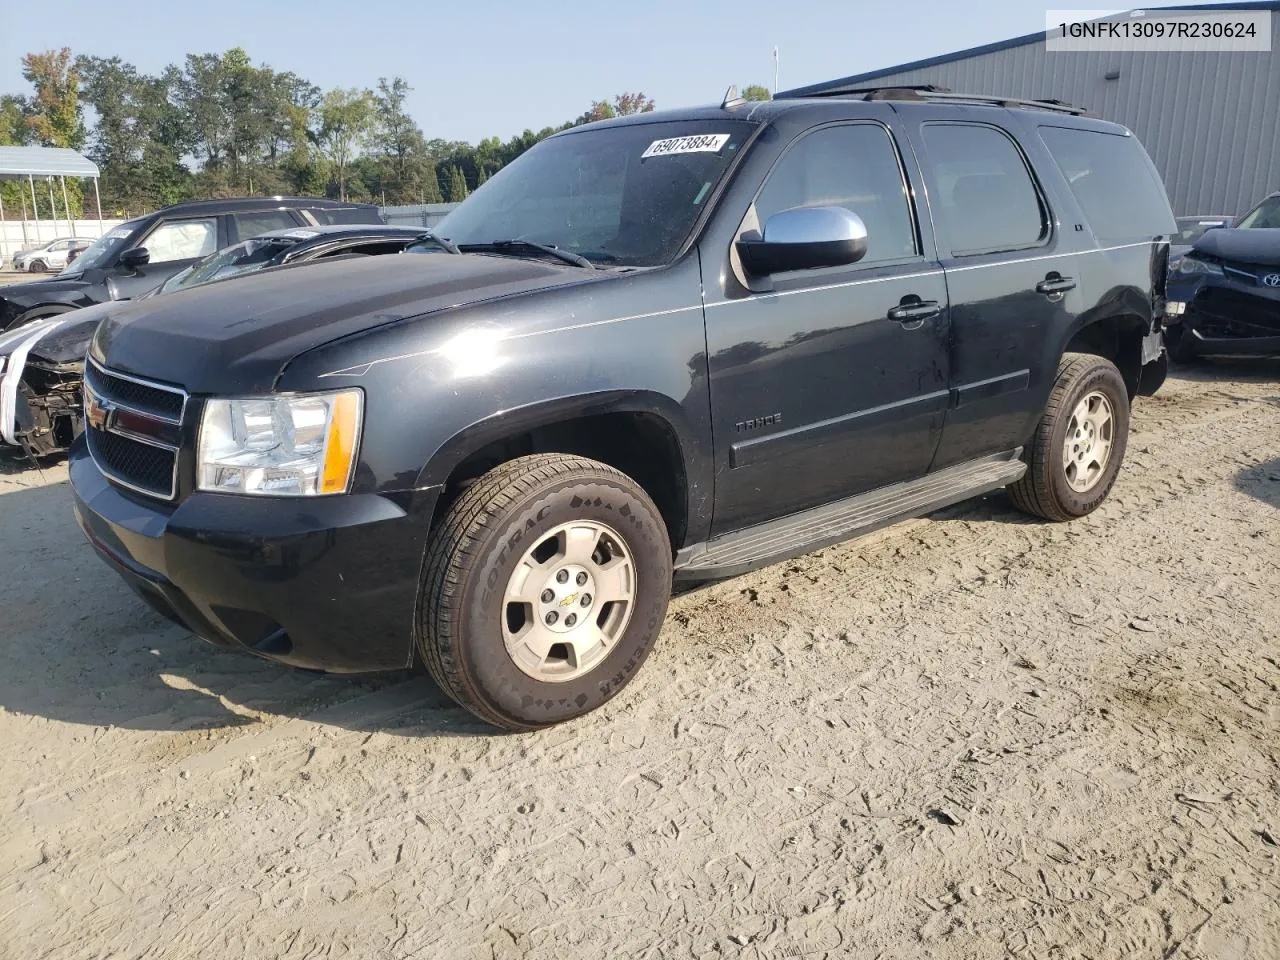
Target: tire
(1059, 486)
(37, 266)
(495, 559)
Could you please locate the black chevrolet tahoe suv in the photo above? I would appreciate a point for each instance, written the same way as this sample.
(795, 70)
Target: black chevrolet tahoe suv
(143, 253)
(671, 347)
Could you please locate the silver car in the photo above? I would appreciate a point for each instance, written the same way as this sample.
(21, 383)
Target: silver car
(49, 256)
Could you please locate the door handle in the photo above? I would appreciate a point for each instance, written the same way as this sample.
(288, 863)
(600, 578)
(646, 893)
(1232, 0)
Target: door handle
(1055, 284)
(914, 311)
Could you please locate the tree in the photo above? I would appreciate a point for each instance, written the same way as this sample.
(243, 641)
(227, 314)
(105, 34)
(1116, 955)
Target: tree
(457, 186)
(628, 103)
(431, 186)
(400, 141)
(755, 91)
(53, 114)
(345, 119)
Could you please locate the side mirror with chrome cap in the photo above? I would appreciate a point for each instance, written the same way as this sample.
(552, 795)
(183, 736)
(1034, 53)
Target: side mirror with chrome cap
(805, 238)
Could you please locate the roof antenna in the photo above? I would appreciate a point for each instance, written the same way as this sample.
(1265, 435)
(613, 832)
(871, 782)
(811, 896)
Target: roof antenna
(731, 98)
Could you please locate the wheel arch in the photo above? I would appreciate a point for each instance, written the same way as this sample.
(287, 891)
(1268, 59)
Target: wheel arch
(1118, 337)
(642, 433)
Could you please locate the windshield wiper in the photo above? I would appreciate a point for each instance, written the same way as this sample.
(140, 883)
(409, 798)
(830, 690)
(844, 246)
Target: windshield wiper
(443, 242)
(564, 256)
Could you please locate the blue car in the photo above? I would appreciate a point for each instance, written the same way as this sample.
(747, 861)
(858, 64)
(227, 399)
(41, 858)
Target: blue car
(1224, 292)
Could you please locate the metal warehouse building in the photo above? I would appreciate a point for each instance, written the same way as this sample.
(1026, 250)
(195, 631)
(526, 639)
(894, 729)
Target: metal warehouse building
(1211, 121)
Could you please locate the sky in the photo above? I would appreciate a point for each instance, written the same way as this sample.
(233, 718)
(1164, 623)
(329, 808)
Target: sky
(502, 66)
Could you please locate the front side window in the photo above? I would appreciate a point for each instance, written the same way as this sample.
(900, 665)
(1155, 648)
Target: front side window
(984, 193)
(1265, 215)
(182, 240)
(854, 166)
(1113, 181)
(617, 195)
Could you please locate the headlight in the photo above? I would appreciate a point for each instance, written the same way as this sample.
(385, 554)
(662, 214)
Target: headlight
(1192, 267)
(288, 446)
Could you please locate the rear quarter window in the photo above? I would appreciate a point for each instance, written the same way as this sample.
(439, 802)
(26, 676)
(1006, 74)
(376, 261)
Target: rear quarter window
(345, 215)
(1114, 182)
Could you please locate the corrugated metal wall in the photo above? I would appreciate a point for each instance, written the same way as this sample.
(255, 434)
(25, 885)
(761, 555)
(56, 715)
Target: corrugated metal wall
(1211, 121)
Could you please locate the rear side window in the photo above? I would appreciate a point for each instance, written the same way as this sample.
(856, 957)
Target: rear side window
(346, 215)
(854, 166)
(1113, 181)
(985, 196)
(250, 225)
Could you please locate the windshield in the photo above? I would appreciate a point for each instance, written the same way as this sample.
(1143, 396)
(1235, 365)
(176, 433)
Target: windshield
(99, 252)
(1191, 229)
(1266, 214)
(620, 196)
(241, 258)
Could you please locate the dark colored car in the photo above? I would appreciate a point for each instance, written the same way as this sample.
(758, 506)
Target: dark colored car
(42, 363)
(669, 347)
(1226, 290)
(140, 254)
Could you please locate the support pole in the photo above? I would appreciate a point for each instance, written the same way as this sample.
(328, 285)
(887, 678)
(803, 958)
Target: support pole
(53, 207)
(22, 195)
(66, 205)
(35, 206)
(98, 200)
(4, 226)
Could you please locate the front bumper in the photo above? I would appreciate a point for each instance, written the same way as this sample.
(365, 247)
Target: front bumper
(1226, 317)
(326, 583)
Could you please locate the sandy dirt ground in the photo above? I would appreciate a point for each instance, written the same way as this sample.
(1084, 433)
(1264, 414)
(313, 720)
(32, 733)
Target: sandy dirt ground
(971, 736)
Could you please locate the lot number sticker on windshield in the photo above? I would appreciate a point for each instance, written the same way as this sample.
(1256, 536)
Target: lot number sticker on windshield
(702, 143)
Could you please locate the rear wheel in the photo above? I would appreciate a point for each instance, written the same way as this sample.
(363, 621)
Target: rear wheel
(545, 587)
(1077, 449)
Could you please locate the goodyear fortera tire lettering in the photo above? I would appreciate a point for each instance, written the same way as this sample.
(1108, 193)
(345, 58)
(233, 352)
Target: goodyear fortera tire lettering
(509, 527)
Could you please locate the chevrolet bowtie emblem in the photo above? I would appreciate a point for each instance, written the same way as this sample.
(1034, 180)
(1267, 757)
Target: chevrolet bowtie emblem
(96, 412)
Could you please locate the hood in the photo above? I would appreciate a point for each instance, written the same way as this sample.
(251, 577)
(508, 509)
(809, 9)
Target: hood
(236, 337)
(1242, 245)
(15, 298)
(67, 341)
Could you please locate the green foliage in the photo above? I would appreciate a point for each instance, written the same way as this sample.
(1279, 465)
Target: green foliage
(346, 119)
(457, 186)
(756, 92)
(217, 124)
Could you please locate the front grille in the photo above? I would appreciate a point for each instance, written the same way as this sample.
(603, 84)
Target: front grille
(132, 428)
(137, 465)
(1217, 312)
(156, 400)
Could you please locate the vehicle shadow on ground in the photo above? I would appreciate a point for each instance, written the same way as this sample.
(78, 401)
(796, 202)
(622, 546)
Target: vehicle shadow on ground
(1257, 369)
(1261, 482)
(76, 646)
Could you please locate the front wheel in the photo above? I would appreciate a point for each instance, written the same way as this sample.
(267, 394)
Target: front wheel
(37, 266)
(545, 587)
(1079, 444)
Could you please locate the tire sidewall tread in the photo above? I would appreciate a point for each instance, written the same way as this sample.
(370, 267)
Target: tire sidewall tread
(474, 549)
(1043, 489)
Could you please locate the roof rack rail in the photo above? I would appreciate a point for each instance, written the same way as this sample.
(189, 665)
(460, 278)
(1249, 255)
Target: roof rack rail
(930, 92)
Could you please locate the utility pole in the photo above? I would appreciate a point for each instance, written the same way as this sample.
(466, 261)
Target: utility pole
(775, 71)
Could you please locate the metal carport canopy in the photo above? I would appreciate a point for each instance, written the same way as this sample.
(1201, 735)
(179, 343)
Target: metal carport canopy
(28, 163)
(22, 162)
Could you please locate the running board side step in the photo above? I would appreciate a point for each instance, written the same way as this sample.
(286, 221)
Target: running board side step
(818, 527)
